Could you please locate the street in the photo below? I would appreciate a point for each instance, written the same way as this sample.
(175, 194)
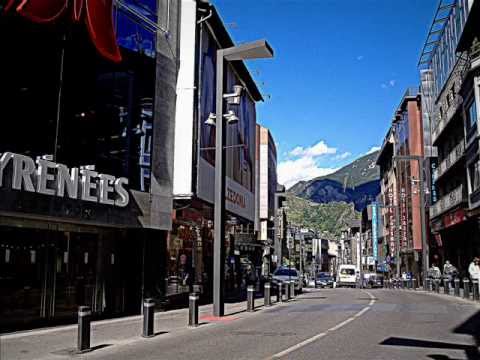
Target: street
(320, 324)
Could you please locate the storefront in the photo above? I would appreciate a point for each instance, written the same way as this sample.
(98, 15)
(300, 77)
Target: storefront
(81, 221)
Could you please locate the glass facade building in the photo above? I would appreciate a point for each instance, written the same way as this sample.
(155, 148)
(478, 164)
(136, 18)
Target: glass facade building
(63, 103)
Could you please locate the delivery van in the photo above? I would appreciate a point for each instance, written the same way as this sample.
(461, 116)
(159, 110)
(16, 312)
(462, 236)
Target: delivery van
(347, 276)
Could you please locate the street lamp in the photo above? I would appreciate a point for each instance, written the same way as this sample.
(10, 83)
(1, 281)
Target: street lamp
(254, 50)
(425, 250)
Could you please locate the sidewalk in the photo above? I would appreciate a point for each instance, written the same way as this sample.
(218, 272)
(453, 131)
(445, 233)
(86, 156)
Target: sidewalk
(442, 293)
(60, 342)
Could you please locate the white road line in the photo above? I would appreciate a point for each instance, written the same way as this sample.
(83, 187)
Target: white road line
(332, 329)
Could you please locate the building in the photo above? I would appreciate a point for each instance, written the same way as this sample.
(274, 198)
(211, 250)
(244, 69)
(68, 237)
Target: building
(400, 184)
(190, 243)
(86, 158)
(388, 204)
(266, 195)
(451, 112)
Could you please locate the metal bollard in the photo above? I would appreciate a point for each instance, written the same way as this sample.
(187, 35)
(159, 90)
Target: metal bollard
(414, 284)
(410, 284)
(287, 290)
(84, 319)
(446, 286)
(268, 299)
(429, 284)
(404, 284)
(437, 286)
(476, 296)
(466, 288)
(292, 289)
(279, 292)
(148, 317)
(193, 309)
(456, 289)
(250, 298)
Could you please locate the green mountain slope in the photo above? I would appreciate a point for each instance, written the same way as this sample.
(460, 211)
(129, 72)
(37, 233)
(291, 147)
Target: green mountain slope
(329, 217)
(357, 182)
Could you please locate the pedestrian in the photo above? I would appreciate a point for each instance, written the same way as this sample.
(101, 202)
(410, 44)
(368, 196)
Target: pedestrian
(449, 271)
(434, 272)
(474, 269)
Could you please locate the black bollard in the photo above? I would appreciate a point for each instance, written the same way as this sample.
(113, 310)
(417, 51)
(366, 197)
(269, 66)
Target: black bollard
(193, 309)
(475, 294)
(287, 290)
(456, 289)
(84, 319)
(292, 289)
(268, 299)
(148, 317)
(446, 286)
(279, 291)
(414, 284)
(410, 286)
(466, 288)
(437, 286)
(250, 298)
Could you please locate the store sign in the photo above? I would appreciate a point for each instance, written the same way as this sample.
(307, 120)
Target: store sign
(374, 231)
(454, 218)
(52, 179)
(97, 15)
(391, 222)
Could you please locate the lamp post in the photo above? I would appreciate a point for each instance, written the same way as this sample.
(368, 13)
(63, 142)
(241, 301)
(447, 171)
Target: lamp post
(421, 184)
(255, 50)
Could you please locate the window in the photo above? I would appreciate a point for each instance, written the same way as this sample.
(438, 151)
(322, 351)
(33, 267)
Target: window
(474, 170)
(471, 115)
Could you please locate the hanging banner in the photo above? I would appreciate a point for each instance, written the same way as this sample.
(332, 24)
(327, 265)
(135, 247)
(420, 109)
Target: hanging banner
(374, 232)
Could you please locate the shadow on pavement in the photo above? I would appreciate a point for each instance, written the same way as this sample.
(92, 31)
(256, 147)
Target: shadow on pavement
(470, 350)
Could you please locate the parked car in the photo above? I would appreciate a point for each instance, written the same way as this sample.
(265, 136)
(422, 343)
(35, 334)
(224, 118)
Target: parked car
(373, 280)
(287, 274)
(324, 279)
(347, 276)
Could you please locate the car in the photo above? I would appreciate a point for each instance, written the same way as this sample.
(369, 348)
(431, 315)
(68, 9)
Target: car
(347, 276)
(284, 274)
(373, 280)
(324, 279)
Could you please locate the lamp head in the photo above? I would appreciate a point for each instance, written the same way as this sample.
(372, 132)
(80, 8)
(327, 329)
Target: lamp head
(231, 117)
(211, 120)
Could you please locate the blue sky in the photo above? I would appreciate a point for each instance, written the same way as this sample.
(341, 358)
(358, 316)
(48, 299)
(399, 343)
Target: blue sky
(339, 72)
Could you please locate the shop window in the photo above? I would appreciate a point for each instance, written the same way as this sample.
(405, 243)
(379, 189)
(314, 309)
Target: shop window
(107, 111)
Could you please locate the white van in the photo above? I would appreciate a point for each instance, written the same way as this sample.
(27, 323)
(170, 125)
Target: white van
(347, 276)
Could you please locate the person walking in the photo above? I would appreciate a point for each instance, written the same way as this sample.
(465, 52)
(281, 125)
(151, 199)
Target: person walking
(474, 269)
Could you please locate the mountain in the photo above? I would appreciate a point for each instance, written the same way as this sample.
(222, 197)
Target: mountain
(329, 217)
(357, 183)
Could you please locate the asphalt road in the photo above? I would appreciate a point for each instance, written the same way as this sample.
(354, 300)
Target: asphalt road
(325, 324)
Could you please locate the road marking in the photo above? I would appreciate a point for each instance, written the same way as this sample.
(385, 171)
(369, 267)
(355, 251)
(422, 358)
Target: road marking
(322, 334)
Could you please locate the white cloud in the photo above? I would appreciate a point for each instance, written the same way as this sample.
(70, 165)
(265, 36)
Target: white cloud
(320, 148)
(390, 83)
(343, 156)
(373, 149)
(360, 57)
(304, 168)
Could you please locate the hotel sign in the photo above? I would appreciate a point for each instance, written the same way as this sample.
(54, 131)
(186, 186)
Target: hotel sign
(49, 178)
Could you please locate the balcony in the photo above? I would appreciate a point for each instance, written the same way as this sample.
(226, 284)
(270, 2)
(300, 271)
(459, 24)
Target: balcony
(447, 202)
(445, 119)
(452, 158)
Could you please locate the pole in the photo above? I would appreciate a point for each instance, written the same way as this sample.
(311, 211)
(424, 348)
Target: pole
(360, 271)
(425, 250)
(219, 220)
